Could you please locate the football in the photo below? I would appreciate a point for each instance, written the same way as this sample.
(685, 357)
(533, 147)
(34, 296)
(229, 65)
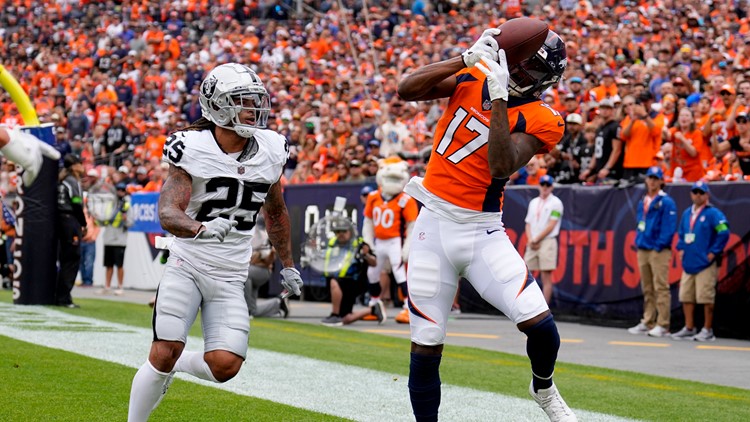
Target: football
(521, 38)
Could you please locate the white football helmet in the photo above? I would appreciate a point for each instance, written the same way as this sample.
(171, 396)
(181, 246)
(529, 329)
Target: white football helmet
(227, 90)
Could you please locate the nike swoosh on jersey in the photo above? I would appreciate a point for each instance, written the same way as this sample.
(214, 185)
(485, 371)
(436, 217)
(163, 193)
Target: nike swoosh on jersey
(560, 124)
(492, 231)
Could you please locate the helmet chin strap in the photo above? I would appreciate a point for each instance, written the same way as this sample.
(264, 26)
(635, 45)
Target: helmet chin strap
(245, 131)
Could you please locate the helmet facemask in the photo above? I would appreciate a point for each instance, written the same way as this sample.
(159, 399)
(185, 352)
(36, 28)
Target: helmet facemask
(533, 76)
(259, 106)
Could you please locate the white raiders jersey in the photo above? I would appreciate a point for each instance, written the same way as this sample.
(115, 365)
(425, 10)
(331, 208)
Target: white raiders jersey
(224, 187)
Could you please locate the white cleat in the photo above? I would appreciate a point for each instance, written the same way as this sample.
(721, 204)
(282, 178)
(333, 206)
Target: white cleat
(553, 404)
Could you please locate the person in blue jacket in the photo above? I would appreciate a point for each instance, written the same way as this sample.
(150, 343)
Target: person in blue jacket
(657, 221)
(703, 233)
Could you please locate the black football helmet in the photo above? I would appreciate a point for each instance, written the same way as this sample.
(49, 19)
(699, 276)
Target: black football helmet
(533, 76)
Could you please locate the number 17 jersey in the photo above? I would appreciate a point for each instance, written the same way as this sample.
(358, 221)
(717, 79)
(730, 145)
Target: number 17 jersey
(457, 179)
(224, 187)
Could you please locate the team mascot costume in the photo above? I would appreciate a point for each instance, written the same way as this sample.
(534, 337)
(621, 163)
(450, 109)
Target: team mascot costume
(389, 218)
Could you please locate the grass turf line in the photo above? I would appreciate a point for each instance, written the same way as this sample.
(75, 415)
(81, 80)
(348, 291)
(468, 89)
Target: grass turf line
(621, 393)
(43, 384)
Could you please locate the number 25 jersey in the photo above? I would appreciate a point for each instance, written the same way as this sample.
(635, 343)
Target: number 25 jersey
(457, 183)
(224, 187)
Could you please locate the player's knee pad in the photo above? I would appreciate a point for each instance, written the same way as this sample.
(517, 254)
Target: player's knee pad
(427, 334)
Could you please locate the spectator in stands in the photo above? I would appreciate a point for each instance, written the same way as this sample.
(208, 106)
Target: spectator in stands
(688, 147)
(543, 220)
(115, 142)
(607, 162)
(330, 175)
(355, 172)
(739, 145)
(582, 153)
(657, 220)
(641, 138)
(703, 234)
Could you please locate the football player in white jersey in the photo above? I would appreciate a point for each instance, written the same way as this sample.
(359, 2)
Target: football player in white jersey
(222, 170)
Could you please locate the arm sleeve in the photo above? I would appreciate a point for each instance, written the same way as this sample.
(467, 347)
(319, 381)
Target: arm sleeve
(669, 223)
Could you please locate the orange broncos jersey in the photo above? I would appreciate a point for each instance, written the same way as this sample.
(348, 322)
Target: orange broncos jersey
(390, 217)
(458, 170)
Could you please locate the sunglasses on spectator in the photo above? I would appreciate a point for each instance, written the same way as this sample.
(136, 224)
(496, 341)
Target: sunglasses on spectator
(725, 93)
(697, 192)
(740, 120)
(546, 185)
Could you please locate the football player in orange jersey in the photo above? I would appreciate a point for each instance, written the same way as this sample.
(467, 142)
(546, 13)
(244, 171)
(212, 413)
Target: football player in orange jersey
(389, 218)
(482, 138)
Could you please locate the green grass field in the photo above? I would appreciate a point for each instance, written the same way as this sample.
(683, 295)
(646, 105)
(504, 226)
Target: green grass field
(39, 383)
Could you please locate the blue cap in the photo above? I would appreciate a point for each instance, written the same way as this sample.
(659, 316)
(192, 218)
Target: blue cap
(701, 186)
(374, 143)
(655, 171)
(547, 179)
(693, 98)
(575, 79)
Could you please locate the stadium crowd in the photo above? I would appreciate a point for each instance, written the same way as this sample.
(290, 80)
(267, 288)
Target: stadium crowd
(660, 82)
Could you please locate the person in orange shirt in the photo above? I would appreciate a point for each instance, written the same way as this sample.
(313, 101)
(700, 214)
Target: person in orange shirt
(330, 175)
(156, 178)
(154, 144)
(493, 124)
(607, 89)
(688, 142)
(641, 138)
(535, 171)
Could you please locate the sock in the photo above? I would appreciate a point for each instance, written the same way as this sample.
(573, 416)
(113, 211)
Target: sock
(542, 346)
(192, 363)
(145, 392)
(424, 386)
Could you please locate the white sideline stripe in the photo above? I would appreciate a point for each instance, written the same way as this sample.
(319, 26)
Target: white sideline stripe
(335, 389)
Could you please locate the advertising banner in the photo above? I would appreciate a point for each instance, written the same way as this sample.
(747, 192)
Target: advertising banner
(144, 213)
(597, 276)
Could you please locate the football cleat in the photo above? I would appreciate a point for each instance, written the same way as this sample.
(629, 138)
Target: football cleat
(403, 317)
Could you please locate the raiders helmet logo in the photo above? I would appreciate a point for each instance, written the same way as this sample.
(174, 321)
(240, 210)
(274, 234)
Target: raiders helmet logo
(209, 86)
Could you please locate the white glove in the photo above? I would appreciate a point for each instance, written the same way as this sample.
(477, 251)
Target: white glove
(485, 47)
(291, 281)
(28, 151)
(218, 228)
(497, 76)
